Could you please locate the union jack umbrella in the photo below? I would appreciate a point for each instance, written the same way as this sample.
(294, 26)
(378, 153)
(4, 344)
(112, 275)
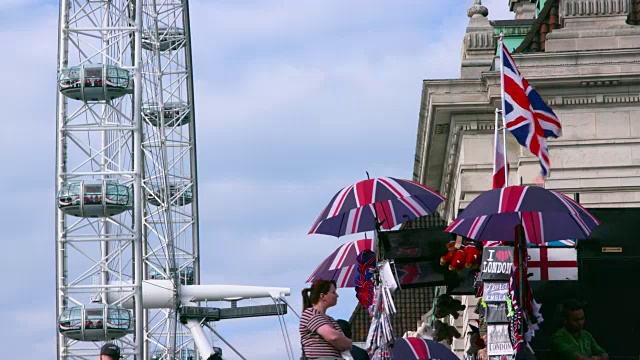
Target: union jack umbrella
(545, 215)
(567, 243)
(341, 265)
(421, 349)
(394, 201)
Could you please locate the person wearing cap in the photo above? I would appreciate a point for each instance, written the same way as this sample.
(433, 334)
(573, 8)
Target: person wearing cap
(110, 352)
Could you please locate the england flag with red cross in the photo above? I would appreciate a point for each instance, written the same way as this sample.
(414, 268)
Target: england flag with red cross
(553, 263)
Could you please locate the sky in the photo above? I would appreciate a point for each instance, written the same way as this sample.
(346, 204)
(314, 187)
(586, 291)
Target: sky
(294, 100)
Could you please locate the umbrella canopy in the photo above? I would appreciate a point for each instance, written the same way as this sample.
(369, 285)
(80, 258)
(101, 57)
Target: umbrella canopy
(557, 243)
(391, 201)
(545, 215)
(341, 265)
(421, 349)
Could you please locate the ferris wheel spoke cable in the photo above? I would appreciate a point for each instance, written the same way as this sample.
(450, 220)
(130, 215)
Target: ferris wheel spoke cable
(285, 331)
(224, 341)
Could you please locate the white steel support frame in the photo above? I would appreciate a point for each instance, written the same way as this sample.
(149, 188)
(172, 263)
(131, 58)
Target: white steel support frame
(144, 140)
(100, 259)
(169, 176)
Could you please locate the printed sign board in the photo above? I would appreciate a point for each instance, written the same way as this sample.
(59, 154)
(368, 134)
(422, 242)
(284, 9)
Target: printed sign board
(496, 313)
(495, 291)
(498, 342)
(497, 263)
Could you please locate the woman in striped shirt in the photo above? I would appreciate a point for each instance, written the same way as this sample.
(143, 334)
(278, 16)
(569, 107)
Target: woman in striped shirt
(320, 334)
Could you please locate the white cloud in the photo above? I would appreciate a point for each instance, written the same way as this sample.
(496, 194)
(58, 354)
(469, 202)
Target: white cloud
(238, 197)
(7, 5)
(324, 95)
(34, 323)
(241, 22)
(498, 10)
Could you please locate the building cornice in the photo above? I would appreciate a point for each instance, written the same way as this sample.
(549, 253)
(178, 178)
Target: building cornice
(594, 142)
(440, 99)
(590, 8)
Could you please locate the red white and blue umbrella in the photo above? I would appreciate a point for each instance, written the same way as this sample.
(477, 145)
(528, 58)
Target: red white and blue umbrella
(341, 265)
(421, 349)
(546, 216)
(394, 201)
(558, 243)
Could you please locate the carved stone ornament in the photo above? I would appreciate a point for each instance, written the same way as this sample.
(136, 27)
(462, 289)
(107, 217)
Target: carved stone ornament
(477, 9)
(588, 8)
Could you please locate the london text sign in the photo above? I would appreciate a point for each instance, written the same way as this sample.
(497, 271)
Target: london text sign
(497, 263)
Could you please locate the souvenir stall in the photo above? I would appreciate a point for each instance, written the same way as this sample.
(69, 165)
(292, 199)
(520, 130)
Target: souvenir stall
(372, 205)
(514, 218)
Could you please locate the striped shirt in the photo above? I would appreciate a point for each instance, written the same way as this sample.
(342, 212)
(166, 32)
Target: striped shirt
(314, 345)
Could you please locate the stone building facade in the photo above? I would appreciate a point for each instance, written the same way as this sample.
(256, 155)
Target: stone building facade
(583, 57)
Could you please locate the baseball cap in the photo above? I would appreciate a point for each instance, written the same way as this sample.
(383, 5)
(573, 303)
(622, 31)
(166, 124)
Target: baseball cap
(110, 350)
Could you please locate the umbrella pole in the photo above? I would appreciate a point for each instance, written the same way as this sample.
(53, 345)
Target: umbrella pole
(378, 249)
(521, 245)
(375, 246)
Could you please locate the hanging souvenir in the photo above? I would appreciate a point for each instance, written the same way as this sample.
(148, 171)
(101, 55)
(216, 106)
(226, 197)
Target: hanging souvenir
(366, 264)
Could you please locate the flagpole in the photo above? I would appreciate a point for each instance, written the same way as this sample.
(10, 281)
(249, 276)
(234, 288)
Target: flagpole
(496, 134)
(504, 124)
(504, 152)
(504, 147)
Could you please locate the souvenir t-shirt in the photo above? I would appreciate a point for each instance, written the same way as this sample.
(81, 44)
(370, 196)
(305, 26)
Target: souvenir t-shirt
(314, 345)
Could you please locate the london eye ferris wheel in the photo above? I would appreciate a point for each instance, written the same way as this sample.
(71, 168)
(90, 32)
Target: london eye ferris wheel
(127, 251)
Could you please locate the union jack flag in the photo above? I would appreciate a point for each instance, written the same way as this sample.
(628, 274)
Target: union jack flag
(525, 114)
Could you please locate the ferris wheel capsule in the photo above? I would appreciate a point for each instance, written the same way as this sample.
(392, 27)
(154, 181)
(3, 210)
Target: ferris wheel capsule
(92, 199)
(175, 113)
(185, 275)
(169, 38)
(95, 82)
(185, 354)
(95, 323)
(180, 195)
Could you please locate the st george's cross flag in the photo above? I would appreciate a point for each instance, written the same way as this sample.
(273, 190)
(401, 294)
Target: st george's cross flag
(553, 263)
(500, 169)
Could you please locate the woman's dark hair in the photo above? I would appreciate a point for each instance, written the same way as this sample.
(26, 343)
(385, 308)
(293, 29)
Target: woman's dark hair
(311, 296)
